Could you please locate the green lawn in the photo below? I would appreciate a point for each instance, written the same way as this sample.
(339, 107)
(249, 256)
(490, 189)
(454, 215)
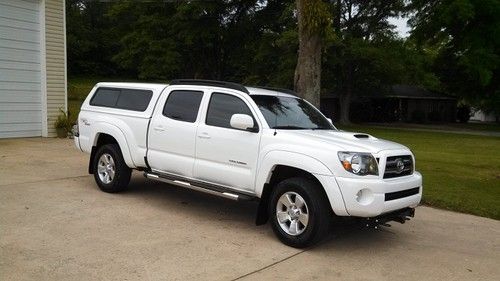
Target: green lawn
(461, 172)
(461, 127)
(78, 89)
(493, 127)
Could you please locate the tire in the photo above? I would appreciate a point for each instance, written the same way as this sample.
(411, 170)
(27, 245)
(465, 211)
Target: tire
(295, 230)
(111, 173)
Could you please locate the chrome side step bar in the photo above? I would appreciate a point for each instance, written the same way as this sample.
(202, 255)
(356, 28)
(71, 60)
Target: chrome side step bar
(210, 189)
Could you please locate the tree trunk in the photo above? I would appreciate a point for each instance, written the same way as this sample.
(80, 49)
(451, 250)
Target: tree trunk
(307, 80)
(345, 103)
(345, 96)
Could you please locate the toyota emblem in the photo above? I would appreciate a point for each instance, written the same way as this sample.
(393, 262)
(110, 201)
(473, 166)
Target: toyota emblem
(400, 166)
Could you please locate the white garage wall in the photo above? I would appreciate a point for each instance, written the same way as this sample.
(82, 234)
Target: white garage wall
(20, 69)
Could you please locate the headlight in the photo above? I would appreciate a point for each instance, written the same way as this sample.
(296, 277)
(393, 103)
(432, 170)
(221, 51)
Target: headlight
(359, 163)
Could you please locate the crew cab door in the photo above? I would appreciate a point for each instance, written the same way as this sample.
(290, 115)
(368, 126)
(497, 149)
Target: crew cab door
(225, 155)
(172, 132)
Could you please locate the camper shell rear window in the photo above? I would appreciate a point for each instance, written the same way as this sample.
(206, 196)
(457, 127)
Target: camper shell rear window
(128, 99)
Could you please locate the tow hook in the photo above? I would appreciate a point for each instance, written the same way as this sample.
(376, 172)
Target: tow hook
(400, 216)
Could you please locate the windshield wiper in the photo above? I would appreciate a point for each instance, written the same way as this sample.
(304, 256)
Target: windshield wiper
(290, 127)
(322, 128)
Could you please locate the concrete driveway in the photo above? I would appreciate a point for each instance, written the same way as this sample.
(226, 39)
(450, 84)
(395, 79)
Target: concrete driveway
(56, 225)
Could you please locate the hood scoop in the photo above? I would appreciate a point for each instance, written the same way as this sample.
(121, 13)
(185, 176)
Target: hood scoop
(361, 136)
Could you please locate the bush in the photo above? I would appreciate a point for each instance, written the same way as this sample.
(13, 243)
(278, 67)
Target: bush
(63, 124)
(434, 116)
(463, 113)
(418, 116)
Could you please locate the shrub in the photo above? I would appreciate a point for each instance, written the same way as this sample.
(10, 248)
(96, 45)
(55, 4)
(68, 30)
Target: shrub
(62, 124)
(463, 113)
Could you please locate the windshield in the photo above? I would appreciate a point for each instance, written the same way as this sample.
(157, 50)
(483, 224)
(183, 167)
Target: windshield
(290, 113)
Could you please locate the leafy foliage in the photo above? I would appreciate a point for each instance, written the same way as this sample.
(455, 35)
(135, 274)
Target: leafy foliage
(466, 35)
(317, 16)
(365, 56)
(91, 41)
(256, 42)
(245, 41)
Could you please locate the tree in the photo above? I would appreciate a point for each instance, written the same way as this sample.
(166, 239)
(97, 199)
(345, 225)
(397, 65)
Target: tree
(365, 55)
(148, 48)
(313, 20)
(272, 56)
(346, 45)
(90, 40)
(466, 35)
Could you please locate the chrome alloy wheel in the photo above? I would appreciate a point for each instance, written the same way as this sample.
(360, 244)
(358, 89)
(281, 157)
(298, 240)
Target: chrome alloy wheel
(292, 213)
(106, 168)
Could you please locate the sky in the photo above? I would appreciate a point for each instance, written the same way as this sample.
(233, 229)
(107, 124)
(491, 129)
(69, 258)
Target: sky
(401, 26)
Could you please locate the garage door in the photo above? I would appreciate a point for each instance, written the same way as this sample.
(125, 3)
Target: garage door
(20, 70)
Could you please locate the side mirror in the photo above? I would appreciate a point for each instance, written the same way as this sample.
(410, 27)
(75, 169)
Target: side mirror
(330, 120)
(242, 122)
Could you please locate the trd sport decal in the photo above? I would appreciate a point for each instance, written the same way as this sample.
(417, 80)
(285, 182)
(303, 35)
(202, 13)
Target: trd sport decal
(237, 162)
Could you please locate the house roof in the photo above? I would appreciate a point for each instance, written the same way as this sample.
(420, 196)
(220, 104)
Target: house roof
(414, 92)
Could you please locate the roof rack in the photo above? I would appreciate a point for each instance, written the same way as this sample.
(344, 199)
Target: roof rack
(201, 82)
(286, 91)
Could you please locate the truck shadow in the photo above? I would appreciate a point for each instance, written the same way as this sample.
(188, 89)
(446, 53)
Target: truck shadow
(195, 203)
(345, 236)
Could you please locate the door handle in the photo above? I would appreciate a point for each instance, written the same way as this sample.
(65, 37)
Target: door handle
(204, 136)
(159, 129)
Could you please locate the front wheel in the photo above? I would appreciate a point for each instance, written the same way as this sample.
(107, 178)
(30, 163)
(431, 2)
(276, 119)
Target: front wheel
(299, 211)
(111, 173)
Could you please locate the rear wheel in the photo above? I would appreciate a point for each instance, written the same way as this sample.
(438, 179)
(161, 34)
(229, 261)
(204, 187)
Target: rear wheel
(111, 173)
(299, 211)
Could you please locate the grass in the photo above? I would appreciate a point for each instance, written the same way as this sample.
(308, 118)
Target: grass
(78, 89)
(460, 127)
(493, 127)
(461, 172)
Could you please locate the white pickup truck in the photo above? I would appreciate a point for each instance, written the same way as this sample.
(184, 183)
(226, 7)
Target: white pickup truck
(245, 143)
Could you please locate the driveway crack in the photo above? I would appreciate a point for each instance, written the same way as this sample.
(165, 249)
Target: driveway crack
(43, 180)
(268, 266)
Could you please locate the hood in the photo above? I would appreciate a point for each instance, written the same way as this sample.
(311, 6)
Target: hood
(347, 141)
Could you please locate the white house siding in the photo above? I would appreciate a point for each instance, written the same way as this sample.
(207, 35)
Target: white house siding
(20, 69)
(481, 116)
(55, 57)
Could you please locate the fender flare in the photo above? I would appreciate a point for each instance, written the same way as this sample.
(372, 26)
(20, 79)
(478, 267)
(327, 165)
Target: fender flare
(117, 134)
(287, 158)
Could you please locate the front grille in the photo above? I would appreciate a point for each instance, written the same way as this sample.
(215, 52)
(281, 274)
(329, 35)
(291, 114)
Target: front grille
(401, 194)
(398, 166)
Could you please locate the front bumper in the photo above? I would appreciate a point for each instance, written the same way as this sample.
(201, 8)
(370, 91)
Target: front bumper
(373, 197)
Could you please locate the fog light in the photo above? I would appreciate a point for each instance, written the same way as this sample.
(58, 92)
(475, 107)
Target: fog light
(364, 196)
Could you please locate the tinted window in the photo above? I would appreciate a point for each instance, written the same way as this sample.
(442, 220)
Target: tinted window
(222, 107)
(183, 105)
(291, 113)
(105, 97)
(137, 100)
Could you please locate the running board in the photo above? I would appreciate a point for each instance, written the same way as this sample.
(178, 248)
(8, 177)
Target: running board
(206, 188)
